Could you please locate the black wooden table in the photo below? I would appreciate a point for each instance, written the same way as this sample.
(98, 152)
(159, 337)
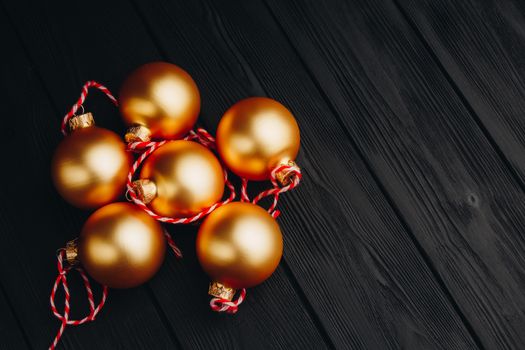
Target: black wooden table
(407, 231)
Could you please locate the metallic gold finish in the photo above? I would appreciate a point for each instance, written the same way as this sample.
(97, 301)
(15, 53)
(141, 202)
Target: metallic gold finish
(72, 252)
(121, 246)
(284, 177)
(239, 245)
(137, 133)
(90, 166)
(146, 190)
(163, 98)
(219, 290)
(256, 135)
(188, 177)
(81, 121)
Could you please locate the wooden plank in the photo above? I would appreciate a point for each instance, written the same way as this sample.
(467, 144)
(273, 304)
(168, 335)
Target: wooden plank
(34, 222)
(66, 52)
(343, 240)
(480, 45)
(11, 332)
(455, 192)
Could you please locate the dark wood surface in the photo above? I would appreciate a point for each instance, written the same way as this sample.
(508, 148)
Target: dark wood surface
(406, 232)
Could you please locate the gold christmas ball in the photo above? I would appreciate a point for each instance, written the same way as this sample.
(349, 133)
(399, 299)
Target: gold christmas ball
(184, 178)
(121, 246)
(239, 245)
(161, 97)
(90, 166)
(255, 136)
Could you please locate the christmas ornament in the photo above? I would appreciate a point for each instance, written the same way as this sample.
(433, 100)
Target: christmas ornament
(180, 179)
(159, 100)
(239, 245)
(120, 246)
(255, 136)
(90, 165)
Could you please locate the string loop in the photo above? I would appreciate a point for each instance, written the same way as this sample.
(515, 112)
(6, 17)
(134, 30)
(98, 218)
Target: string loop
(79, 104)
(225, 305)
(62, 280)
(290, 171)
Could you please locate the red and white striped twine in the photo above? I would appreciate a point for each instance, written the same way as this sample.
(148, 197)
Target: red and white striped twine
(176, 250)
(145, 149)
(244, 190)
(225, 305)
(290, 170)
(231, 307)
(61, 279)
(201, 136)
(62, 271)
(72, 112)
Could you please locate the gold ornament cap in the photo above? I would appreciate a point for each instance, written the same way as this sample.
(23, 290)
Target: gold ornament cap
(145, 189)
(284, 176)
(81, 121)
(72, 252)
(220, 290)
(138, 133)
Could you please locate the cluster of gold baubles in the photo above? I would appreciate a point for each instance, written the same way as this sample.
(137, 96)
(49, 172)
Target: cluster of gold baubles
(239, 244)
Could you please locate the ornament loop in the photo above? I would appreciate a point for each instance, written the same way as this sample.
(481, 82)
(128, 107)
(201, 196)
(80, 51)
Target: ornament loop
(62, 280)
(76, 110)
(228, 306)
(289, 173)
(285, 175)
(80, 102)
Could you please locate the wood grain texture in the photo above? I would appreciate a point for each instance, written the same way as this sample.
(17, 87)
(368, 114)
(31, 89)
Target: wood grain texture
(66, 54)
(11, 331)
(343, 242)
(480, 45)
(455, 192)
(366, 271)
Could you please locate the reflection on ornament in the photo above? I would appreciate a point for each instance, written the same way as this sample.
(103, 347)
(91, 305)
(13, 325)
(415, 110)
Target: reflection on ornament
(90, 165)
(239, 245)
(255, 136)
(159, 100)
(120, 246)
(180, 179)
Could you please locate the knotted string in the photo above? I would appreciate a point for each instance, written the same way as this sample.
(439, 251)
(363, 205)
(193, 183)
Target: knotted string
(62, 280)
(225, 305)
